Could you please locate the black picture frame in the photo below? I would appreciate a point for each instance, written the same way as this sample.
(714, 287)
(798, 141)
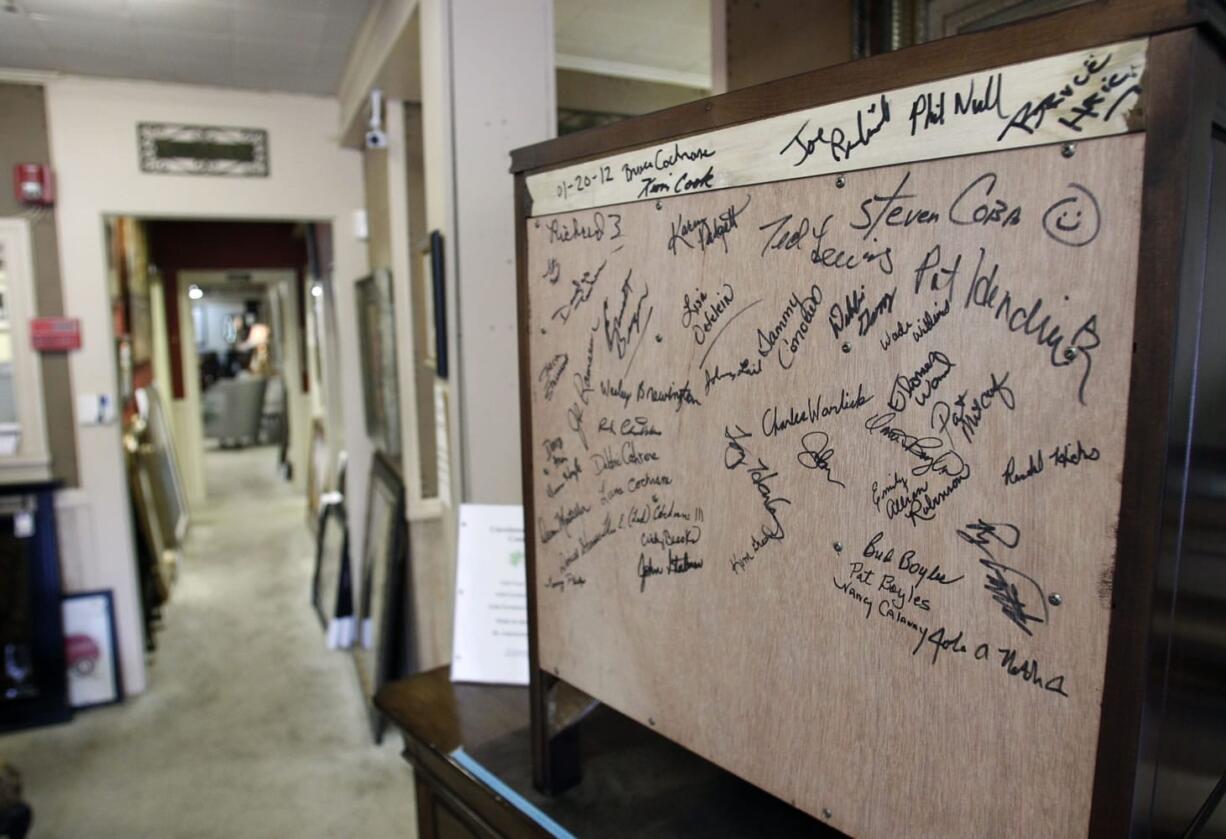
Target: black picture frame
(81, 653)
(382, 638)
(439, 285)
(331, 584)
(377, 339)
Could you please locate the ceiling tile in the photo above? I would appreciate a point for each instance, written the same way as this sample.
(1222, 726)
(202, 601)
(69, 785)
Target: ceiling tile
(29, 56)
(97, 9)
(94, 37)
(319, 6)
(171, 44)
(191, 17)
(20, 31)
(289, 45)
(278, 25)
(339, 32)
(275, 53)
(345, 8)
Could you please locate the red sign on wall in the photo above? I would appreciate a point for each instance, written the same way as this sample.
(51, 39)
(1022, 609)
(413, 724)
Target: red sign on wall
(55, 334)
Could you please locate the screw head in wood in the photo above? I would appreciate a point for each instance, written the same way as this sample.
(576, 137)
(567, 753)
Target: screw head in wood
(838, 547)
(1069, 149)
(826, 814)
(1070, 353)
(1054, 599)
(846, 347)
(840, 182)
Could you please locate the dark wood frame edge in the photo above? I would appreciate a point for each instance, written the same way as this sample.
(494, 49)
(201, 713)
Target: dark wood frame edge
(1145, 441)
(538, 692)
(1180, 111)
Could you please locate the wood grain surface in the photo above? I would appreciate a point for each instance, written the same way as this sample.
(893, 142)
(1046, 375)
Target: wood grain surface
(827, 477)
(1070, 97)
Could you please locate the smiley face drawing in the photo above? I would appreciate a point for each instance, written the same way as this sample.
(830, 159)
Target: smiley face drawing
(1075, 219)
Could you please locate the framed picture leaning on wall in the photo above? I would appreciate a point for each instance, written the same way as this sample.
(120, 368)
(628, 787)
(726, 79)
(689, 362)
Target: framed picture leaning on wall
(91, 650)
(377, 337)
(331, 588)
(381, 639)
(166, 480)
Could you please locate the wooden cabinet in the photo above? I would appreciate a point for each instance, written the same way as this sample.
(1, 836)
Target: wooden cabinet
(470, 750)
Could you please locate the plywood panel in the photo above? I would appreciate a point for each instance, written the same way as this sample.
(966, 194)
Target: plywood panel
(1071, 97)
(827, 475)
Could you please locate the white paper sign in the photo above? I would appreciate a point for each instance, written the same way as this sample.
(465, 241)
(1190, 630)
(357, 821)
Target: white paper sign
(491, 604)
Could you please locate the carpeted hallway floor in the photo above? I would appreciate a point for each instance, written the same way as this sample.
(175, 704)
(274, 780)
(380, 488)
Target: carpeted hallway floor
(250, 726)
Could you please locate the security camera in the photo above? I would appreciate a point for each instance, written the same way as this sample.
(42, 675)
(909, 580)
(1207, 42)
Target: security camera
(375, 137)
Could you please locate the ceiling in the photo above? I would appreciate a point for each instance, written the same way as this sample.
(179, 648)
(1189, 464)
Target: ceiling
(656, 40)
(299, 46)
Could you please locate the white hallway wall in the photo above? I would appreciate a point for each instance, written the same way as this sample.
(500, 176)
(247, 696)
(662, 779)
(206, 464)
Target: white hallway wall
(94, 151)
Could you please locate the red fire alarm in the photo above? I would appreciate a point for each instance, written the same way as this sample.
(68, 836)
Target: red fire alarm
(33, 184)
(55, 334)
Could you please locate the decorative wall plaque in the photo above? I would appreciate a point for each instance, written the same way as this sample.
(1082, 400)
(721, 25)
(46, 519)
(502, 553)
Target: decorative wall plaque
(175, 149)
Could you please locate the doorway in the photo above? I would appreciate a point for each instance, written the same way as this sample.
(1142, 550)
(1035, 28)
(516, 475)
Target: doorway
(219, 344)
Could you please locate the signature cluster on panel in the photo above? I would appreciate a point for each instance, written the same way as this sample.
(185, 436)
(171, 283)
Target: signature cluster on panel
(896, 282)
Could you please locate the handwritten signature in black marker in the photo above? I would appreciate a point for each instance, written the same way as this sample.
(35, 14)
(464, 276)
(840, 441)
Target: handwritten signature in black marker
(816, 453)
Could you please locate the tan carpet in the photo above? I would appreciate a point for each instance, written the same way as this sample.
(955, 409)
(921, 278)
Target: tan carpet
(250, 726)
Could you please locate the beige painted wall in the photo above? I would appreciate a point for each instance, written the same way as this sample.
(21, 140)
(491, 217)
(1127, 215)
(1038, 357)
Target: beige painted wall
(470, 120)
(493, 113)
(93, 145)
(23, 139)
